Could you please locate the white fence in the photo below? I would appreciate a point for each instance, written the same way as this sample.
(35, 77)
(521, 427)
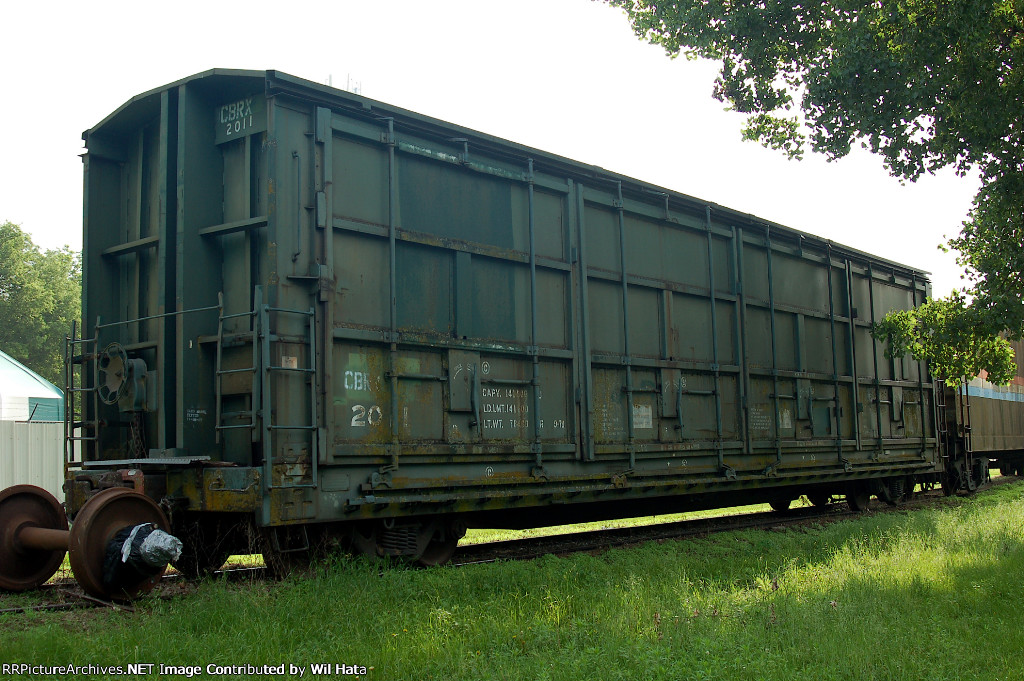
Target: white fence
(32, 453)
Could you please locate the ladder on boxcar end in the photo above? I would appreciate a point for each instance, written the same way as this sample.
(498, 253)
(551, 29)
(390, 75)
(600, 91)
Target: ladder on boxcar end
(262, 370)
(252, 335)
(77, 351)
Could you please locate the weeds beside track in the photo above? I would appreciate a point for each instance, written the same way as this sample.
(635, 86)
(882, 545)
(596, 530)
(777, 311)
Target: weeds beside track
(63, 593)
(900, 595)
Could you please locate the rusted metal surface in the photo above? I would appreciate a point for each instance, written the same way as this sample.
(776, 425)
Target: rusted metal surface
(29, 554)
(102, 517)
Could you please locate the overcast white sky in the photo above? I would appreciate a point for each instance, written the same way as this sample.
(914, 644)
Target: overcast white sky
(566, 76)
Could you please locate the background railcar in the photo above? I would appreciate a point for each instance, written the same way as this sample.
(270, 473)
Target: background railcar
(987, 423)
(308, 313)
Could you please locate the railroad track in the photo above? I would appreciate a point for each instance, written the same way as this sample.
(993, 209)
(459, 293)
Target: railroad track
(599, 540)
(64, 594)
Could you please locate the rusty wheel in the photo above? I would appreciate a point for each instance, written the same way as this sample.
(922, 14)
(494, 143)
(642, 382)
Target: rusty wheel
(102, 517)
(442, 544)
(23, 506)
(438, 552)
(362, 540)
(858, 497)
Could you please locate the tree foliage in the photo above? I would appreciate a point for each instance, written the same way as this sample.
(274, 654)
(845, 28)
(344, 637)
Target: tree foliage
(924, 83)
(40, 294)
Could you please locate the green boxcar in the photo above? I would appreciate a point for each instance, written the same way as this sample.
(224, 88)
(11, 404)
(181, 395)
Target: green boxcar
(317, 313)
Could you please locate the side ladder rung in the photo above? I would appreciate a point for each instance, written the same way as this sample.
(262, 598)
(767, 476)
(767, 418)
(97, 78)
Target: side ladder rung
(304, 313)
(291, 369)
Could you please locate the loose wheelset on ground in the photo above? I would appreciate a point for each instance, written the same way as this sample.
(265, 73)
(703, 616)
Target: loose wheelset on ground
(34, 538)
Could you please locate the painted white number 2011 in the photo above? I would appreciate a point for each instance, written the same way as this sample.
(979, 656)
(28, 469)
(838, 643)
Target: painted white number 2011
(362, 416)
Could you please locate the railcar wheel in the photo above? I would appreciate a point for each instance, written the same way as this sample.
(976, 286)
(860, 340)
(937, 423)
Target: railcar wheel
(819, 498)
(99, 520)
(438, 552)
(949, 483)
(362, 540)
(858, 498)
(22, 507)
(440, 547)
(977, 475)
(909, 485)
(780, 505)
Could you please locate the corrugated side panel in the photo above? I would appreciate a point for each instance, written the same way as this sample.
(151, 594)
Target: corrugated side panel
(460, 380)
(13, 408)
(997, 411)
(32, 454)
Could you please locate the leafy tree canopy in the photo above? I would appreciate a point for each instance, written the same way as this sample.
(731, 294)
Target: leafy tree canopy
(925, 84)
(40, 294)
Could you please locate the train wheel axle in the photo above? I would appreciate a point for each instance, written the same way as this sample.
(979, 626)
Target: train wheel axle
(34, 538)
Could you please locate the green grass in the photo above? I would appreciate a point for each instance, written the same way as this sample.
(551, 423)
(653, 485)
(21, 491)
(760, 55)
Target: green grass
(932, 594)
